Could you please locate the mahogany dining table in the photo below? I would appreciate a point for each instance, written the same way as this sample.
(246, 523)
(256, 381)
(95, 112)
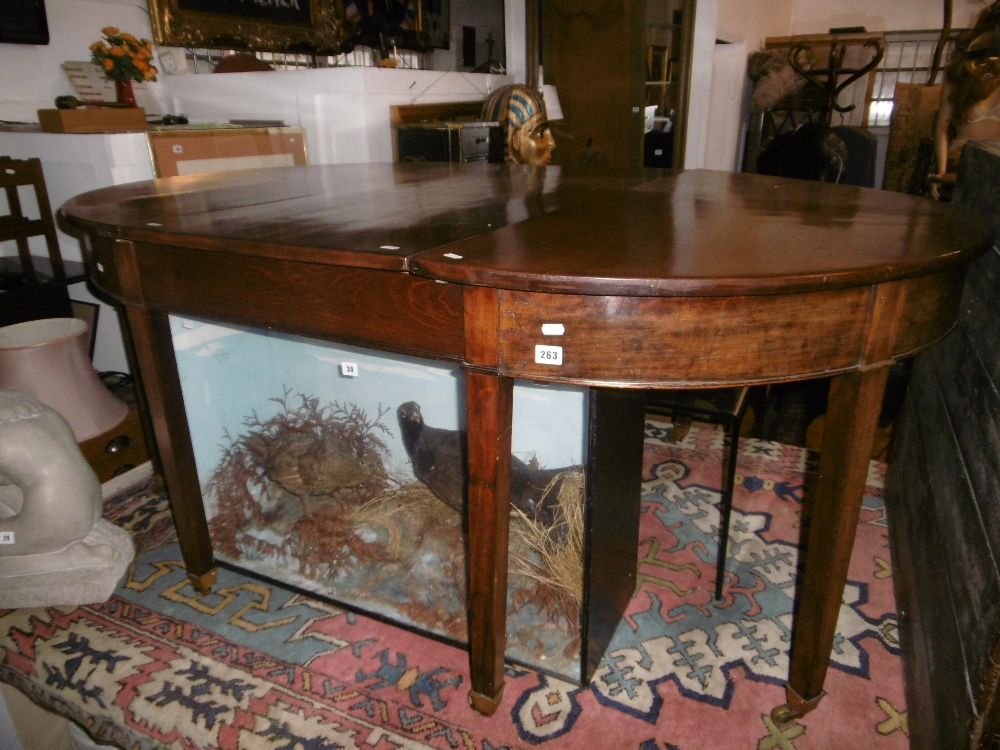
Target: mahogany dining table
(618, 281)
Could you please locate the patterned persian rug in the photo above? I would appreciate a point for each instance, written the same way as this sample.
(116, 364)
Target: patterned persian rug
(252, 666)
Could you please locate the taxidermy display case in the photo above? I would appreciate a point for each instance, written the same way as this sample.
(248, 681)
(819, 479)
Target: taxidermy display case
(341, 472)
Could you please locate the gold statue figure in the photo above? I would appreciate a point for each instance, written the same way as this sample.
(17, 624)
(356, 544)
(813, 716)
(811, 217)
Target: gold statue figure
(524, 122)
(970, 95)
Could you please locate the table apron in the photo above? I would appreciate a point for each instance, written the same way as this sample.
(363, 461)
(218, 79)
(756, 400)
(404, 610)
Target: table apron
(388, 310)
(685, 341)
(605, 340)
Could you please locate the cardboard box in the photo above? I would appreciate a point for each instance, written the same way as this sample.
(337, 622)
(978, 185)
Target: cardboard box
(93, 120)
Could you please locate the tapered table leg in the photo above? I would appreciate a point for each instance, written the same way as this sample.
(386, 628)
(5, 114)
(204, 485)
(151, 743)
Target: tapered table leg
(852, 417)
(150, 332)
(489, 400)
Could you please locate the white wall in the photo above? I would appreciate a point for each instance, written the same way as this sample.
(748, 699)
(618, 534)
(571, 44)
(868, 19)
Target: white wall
(32, 78)
(727, 107)
(751, 21)
(818, 16)
(487, 17)
(345, 111)
(702, 52)
(514, 29)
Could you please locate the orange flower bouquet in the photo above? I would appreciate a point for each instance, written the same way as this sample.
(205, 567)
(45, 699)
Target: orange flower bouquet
(123, 57)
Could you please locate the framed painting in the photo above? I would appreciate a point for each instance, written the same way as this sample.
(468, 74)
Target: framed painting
(307, 26)
(384, 24)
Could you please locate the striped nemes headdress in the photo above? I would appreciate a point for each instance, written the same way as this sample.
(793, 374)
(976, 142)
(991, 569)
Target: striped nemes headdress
(514, 106)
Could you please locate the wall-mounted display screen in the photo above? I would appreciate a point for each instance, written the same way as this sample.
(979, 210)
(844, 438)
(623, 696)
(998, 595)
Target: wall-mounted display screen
(23, 22)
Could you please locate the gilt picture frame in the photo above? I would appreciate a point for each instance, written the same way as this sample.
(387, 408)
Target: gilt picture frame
(300, 26)
(387, 24)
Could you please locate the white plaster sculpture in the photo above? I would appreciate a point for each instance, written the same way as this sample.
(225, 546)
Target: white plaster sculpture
(55, 549)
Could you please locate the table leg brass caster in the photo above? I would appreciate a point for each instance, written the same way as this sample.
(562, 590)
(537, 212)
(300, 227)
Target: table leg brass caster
(203, 584)
(483, 704)
(795, 708)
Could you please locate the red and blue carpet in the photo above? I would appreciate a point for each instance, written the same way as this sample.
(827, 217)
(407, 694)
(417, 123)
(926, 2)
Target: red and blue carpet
(252, 666)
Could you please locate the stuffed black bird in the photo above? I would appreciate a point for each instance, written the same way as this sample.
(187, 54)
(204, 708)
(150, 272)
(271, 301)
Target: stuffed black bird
(438, 456)
(439, 461)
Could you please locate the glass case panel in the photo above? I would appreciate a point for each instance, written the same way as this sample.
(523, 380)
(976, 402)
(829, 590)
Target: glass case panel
(341, 471)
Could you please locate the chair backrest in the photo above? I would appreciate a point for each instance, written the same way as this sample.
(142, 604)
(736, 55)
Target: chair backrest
(17, 227)
(862, 155)
(910, 150)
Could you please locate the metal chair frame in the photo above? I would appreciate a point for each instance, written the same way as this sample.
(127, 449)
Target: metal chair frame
(731, 419)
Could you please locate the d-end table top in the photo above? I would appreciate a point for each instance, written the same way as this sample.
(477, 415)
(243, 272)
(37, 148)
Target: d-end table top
(655, 279)
(551, 229)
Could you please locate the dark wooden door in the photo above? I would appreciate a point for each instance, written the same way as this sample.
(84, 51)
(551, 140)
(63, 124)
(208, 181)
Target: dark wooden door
(594, 52)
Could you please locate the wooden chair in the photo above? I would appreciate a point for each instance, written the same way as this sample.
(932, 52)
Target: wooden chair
(33, 285)
(28, 269)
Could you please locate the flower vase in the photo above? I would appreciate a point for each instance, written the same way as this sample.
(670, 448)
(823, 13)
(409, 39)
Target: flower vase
(124, 94)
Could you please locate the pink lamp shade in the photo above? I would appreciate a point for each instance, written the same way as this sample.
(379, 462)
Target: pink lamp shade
(48, 359)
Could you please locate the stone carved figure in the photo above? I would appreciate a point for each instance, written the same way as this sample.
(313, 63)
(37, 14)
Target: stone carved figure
(54, 547)
(523, 122)
(970, 95)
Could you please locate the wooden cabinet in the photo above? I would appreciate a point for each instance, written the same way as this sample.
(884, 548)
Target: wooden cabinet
(441, 131)
(443, 141)
(118, 450)
(943, 487)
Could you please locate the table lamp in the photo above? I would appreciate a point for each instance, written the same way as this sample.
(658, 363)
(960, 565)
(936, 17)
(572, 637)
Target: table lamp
(552, 106)
(48, 359)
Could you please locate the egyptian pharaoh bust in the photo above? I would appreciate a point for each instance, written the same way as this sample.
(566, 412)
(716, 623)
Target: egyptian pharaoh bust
(523, 122)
